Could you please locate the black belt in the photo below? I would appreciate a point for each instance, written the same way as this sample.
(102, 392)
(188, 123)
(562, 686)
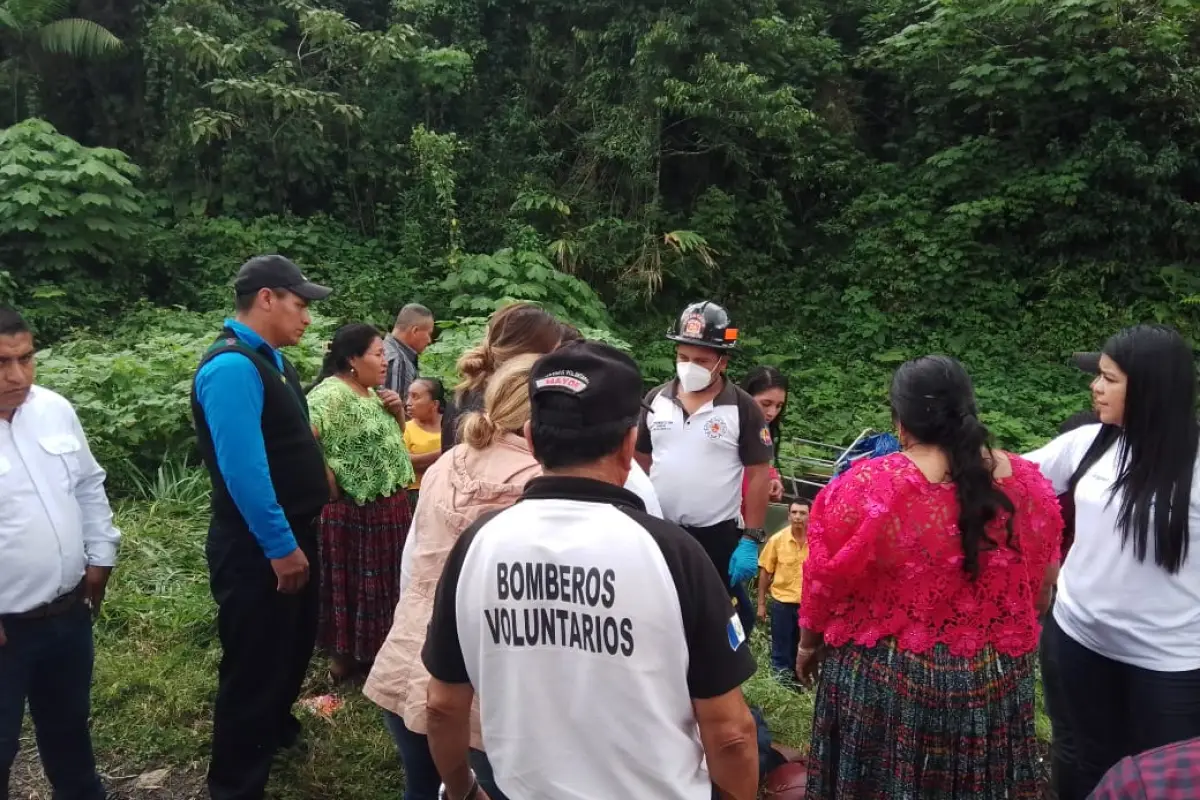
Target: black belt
(56, 607)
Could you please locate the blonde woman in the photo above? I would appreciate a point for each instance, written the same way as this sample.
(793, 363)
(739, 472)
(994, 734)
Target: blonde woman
(487, 471)
(512, 331)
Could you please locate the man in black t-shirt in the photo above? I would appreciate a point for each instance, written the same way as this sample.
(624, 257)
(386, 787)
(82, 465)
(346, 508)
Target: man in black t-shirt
(586, 625)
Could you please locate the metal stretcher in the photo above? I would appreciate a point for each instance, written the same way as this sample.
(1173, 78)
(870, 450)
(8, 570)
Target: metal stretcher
(807, 466)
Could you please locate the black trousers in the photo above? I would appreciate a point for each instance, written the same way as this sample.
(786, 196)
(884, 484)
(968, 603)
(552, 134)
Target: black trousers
(267, 641)
(719, 541)
(1105, 710)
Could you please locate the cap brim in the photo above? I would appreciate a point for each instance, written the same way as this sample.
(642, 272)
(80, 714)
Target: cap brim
(310, 291)
(724, 346)
(1088, 362)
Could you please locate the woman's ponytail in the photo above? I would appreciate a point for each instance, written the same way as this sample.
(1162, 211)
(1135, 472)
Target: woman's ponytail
(979, 499)
(517, 329)
(475, 366)
(478, 431)
(328, 369)
(934, 402)
(505, 405)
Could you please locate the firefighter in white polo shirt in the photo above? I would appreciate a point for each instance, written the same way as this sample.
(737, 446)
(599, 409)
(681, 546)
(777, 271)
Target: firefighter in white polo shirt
(700, 434)
(607, 660)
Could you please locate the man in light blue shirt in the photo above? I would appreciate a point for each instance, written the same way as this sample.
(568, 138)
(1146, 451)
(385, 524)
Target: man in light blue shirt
(269, 485)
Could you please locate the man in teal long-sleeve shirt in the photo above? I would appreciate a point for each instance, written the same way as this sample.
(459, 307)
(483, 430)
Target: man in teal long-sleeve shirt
(269, 486)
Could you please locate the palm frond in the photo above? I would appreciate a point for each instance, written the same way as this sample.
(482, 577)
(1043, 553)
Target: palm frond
(79, 38)
(9, 20)
(35, 13)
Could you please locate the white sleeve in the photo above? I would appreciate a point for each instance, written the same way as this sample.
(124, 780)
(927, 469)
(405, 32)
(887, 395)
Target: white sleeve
(639, 483)
(1059, 459)
(100, 536)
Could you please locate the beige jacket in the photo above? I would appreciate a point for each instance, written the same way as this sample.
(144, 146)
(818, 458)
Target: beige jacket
(459, 488)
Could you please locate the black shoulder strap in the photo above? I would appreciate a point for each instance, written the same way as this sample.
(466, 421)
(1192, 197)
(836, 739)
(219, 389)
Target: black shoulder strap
(228, 342)
(292, 378)
(232, 344)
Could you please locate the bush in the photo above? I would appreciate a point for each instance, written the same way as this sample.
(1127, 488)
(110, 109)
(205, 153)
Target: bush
(132, 387)
(458, 335)
(68, 214)
(196, 258)
(484, 283)
(131, 383)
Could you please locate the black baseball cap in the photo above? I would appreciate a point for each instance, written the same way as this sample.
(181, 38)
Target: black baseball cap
(277, 272)
(1088, 362)
(604, 385)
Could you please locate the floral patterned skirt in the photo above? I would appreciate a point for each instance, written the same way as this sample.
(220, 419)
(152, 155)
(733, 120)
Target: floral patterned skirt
(923, 726)
(360, 573)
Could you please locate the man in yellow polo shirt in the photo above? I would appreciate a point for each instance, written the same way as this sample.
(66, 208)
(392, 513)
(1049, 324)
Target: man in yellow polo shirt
(780, 569)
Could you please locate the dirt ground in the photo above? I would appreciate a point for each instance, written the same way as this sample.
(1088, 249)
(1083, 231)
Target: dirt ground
(168, 783)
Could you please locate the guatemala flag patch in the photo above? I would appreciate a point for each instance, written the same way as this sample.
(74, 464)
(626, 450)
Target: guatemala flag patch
(737, 634)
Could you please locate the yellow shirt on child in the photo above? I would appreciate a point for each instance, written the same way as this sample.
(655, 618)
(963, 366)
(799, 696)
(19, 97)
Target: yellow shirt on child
(784, 557)
(419, 442)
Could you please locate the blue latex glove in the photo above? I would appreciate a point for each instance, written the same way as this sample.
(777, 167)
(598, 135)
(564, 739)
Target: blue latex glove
(744, 564)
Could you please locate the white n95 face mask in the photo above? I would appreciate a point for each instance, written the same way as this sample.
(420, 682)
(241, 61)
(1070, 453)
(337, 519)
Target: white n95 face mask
(693, 377)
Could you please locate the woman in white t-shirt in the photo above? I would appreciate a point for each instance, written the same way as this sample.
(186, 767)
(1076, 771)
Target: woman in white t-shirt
(1121, 654)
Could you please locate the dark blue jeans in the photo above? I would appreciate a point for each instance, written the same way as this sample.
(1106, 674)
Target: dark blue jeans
(785, 636)
(421, 778)
(1107, 710)
(48, 662)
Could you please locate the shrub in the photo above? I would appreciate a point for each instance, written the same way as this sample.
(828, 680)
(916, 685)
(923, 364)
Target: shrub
(68, 214)
(132, 387)
(196, 258)
(459, 335)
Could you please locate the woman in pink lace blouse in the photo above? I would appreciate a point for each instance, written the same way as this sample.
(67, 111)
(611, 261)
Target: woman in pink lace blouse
(920, 604)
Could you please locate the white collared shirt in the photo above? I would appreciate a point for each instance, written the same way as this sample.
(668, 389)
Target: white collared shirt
(55, 519)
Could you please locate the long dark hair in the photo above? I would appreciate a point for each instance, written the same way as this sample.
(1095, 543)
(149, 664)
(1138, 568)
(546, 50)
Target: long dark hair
(760, 379)
(933, 399)
(349, 341)
(1157, 442)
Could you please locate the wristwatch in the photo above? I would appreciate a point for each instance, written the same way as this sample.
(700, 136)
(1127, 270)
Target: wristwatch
(757, 534)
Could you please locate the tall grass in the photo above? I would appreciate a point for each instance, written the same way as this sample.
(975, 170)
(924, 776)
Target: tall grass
(157, 657)
(175, 483)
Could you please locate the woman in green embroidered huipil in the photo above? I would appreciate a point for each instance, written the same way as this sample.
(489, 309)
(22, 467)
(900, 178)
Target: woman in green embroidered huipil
(360, 427)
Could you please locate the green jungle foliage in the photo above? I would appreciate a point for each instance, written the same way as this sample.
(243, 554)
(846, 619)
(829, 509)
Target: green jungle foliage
(859, 181)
